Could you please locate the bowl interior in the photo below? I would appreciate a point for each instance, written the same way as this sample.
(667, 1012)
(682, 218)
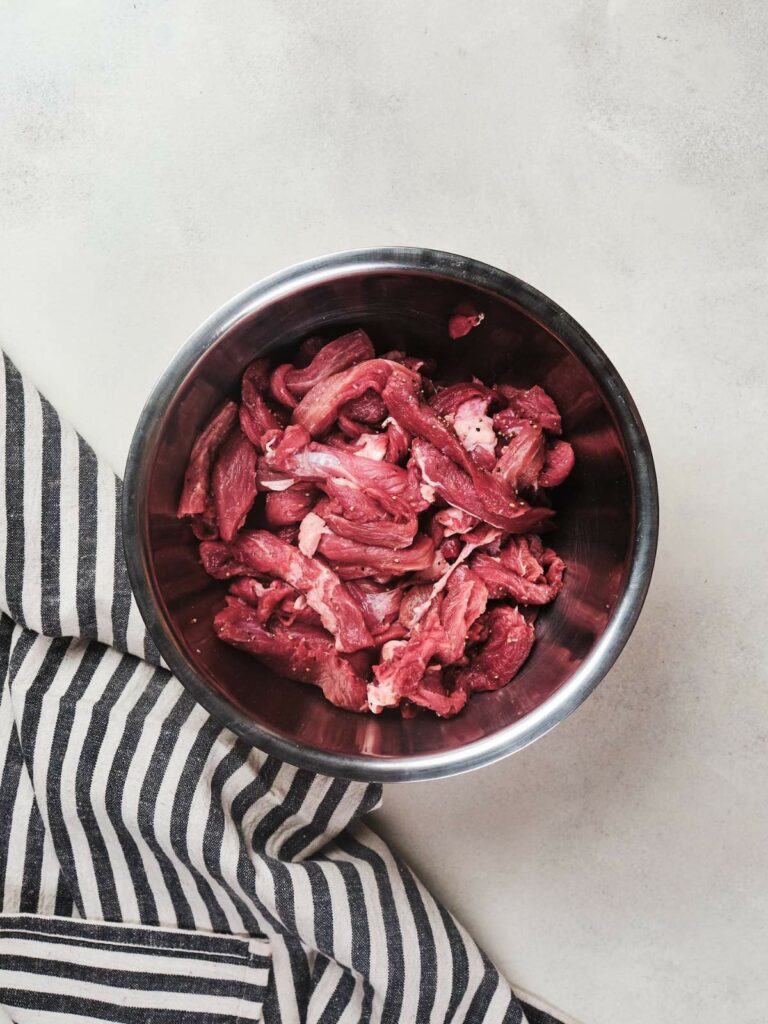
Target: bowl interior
(408, 310)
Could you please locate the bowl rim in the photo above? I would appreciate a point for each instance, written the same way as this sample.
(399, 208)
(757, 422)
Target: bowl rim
(592, 670)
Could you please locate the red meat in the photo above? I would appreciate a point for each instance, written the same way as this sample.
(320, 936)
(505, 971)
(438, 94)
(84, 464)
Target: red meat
(278, 387)
(300, 652)
(197, 478)
(503, 580)
(379, 604)
(332, 358)
(502, 655)
(385, 533)
(265, 599)
(456, 488)
(256, 418)
(320, 406)
(234, 483)
(534, 405)
(464, 319)
(308, 349)
(446, 401)
(266, 554)
(282, 508)
(522, 457)
(385, 542)
(368, 408)
(342, 551)
(558, 463)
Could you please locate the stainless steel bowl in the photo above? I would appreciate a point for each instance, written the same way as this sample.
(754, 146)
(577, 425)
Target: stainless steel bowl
(607, 510)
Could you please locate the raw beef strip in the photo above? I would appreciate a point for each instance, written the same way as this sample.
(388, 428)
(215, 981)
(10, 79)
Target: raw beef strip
(281, 508)
(384, 560)
(503, 581)
(256, 418)
(300, 652)
(502, 655)
(455, 487)
(522, 457)
(491, 494)
(353, 503)
(385, 533)
(465, 599)
(197, 478)
(446, 401)
(385, 483)
(278, 387)
(404, 662)
(319, 407)
(534, 405)
(431, 694)
(401, 398)
(234, 483)
(267, 554)
(368, 408)
(332, 358)
(264, 599)
(223, 562)
(558, 463)
(440, 634)
(380, 604)
(523, 555)
(308, 349)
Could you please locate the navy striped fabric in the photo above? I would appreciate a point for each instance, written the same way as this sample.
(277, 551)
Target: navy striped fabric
(123, 801)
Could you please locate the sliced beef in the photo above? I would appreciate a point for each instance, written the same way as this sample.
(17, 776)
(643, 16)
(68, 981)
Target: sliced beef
(398, 567)
(510, 639)
(256, 417)
(522, 456)
(282, 508)
(234, 483)
(503, 580)
(264, 553)
(558, 463)
(534, 405)
(197, 479)
(445, 479)
(397, 562)
(332, 358)
(320, 406)
(304, 653)
(463, 320)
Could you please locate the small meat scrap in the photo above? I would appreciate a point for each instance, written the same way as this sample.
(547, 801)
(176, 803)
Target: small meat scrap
(375, 527)
(464, 319)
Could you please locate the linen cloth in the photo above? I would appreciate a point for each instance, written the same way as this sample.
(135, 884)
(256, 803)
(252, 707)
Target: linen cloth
(137, 833)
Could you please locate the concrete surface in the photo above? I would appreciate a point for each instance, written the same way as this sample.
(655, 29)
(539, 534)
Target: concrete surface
(159, 157)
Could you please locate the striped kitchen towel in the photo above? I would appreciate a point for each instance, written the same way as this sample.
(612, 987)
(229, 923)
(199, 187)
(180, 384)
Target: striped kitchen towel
(154, 867)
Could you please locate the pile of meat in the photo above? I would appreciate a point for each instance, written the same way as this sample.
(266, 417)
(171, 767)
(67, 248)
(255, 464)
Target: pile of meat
(380, 529)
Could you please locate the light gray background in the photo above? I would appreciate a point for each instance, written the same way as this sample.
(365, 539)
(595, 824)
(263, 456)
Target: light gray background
(158, 157)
